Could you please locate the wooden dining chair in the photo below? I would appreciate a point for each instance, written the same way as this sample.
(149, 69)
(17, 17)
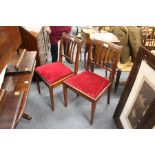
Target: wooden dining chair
(89, 84)
(149, 38)
(54, 74)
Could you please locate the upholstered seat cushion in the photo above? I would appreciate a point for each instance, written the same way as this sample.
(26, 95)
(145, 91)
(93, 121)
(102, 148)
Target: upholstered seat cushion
(54, 72)
(89, 83)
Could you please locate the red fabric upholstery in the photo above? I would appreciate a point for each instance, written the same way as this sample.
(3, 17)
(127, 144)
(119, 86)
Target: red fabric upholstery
(89, 83)
(54, 71)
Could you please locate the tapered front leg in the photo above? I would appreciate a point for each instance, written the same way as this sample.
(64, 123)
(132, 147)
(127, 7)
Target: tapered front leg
(109, 93)
(65, 94)
(52, 97)
(93, 108)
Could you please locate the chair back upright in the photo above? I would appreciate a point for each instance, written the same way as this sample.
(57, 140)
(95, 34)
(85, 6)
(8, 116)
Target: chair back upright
(70, 48)
(104, 55)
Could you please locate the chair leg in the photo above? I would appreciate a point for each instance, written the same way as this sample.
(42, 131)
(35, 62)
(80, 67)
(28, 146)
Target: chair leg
(52, 97)
(93, 108)
(117, 80)
(65, 94)
(37, 80)
(108, 96)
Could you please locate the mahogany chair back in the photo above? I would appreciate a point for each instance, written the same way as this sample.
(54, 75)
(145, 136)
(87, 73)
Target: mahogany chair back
(70, 48)
(104, 55)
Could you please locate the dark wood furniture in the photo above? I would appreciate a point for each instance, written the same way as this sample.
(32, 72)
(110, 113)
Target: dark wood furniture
(9, 108)
(9, 42)
(35, 41)
(91, 85)
(54, 74)
(17, 80)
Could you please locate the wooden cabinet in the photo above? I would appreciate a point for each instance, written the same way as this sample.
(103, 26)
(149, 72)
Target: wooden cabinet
(17, 80)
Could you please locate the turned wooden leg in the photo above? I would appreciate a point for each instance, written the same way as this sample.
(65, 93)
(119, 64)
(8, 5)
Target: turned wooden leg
(37, 80)
(26, 116)
(52, 97)
(93, 108)
(117, 80)
(65, 94)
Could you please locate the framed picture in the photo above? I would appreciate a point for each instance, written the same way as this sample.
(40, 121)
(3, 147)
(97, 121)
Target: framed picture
(135, 106)
(148, 122)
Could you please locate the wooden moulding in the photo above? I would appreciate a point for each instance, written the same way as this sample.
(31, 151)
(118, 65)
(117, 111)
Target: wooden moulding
(21, 63)
(20, 59)
(2, 97)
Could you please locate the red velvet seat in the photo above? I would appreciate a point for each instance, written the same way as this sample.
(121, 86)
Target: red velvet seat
(89, 84)
(54, 74)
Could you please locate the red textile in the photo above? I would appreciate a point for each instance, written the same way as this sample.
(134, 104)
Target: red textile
(53, 72)
(56, 32)
(89, 83)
